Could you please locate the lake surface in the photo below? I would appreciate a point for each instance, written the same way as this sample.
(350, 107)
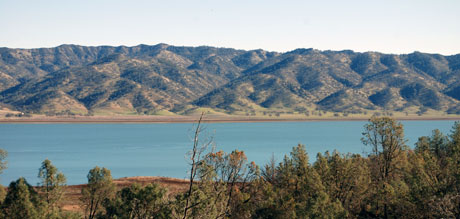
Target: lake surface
(160, 149)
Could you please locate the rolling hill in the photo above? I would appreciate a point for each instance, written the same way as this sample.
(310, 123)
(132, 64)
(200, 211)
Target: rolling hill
(71, 79)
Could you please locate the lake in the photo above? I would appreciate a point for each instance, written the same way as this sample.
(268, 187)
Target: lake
(160, 149)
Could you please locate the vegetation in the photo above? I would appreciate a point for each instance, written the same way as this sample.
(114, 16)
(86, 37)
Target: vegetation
(3, 155)
(392, 181)
(51, 186)
(77, 80)
(22, 201)
(138, 202)
(100, 187)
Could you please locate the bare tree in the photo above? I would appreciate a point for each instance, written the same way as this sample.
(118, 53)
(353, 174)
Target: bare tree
(196, 155)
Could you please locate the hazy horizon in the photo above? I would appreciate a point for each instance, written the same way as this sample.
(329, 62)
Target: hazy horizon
(225, 48)
(387, 27)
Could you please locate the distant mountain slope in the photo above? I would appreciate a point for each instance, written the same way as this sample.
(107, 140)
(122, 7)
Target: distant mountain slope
(119, 79)
(344, 81)
(149, 79)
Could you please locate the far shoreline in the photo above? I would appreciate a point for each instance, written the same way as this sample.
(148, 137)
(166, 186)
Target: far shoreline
(40, 119)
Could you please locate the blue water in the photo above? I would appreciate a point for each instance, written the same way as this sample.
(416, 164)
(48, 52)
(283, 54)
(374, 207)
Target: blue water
(160, 149)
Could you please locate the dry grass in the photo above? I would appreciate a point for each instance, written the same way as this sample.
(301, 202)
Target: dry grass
(72, 194)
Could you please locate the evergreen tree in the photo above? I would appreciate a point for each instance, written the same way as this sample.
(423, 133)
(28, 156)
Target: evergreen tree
(22, 201)
(346, 178)
(385, 136)
(454, 151)
(51, 185)
(99, 188)
(139, 202)
(299, 191)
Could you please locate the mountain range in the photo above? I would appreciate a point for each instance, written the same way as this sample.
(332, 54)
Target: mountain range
(162, 78)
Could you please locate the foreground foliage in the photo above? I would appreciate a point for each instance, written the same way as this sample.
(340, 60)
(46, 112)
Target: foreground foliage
(391, 181)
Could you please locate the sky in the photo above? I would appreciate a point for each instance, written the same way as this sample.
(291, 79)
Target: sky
(399, 27)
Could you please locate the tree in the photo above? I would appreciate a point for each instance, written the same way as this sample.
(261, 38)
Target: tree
(3, 163)
(99, 188)
(3, 155)
(385, 136)
(21, 201)
(228, 179)
(269, 171)
(51, 184)
(434, 153)
(139, 202)
(299, 192)
(196, 155)
(453, 167)
(2, 194)
(346, 178)
(454, 151)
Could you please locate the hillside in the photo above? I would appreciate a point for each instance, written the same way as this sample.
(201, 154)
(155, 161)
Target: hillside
(164, 79)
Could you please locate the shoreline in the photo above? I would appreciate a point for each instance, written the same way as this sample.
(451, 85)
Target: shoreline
(193, 119)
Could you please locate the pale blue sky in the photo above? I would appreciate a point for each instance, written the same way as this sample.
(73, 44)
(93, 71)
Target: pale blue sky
(401, 26)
